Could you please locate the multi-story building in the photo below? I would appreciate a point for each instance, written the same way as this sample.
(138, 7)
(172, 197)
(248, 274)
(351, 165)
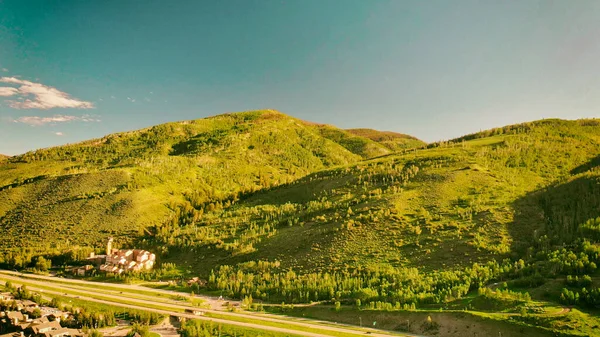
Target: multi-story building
(124, 260)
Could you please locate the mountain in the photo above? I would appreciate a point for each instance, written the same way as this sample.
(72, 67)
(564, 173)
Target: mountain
(362, 146)
(265, 204)
(369, 143)
(444, 207)
(451, 204)
(392, 140)
(123, 183)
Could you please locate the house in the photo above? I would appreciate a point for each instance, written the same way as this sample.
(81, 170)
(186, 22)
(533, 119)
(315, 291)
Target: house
(96, 260)
(6, 297)
(83, 270)
(54, 314)
(64, 332)
(41, 320)
(45, 328)
(37, 329)
(29, 304)
(15, 317)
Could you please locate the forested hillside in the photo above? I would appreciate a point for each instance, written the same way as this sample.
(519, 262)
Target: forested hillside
(263, 204)
(392, 140)
(364, 147)
(123, 183)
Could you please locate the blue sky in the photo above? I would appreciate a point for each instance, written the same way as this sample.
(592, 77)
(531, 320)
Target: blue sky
(74, 70)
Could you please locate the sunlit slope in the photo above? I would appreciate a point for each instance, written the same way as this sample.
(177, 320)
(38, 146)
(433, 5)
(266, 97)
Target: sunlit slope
(265, 186)
(447, 206)
(364, 147)
(392, 140)
(122, 183)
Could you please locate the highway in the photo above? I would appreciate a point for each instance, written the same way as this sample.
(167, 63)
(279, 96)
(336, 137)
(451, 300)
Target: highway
(81, 289)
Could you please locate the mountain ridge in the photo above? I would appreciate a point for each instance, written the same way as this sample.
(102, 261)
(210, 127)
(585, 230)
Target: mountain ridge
(268, 114)
(141, 157)
(265, 204)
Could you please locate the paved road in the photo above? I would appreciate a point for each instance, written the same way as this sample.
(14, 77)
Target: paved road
(114, 300)
(214, 302)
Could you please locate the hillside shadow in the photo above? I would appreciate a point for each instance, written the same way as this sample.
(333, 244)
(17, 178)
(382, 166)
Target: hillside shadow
(184, 147)
(199, 142)
(587, 166)
(23, 182)
(555, 211)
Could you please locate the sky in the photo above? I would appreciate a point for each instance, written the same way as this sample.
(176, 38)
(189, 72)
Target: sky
(75, 70)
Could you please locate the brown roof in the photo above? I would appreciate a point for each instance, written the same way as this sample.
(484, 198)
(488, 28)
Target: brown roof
(40, 320)
(29, 303)
(44, 327)
(65, 332)
(15, 314)
(59, 332)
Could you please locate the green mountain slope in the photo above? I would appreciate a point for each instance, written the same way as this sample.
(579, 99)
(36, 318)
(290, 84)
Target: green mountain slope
(443, 207)
(392, 140)
(264, 204)
(248, 185)
(362, 146)
(123, 183)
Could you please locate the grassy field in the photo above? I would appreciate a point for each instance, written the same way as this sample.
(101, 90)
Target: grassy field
(456, 323)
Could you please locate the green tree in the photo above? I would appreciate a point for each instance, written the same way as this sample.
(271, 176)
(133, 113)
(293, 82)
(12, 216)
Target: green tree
(36, 313)
(42, 264)
(142, 329)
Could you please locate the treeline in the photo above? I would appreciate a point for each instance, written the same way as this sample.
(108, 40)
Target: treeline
(589, 298)
(402, 285)
(504, 294)
(391, 285)
(42, 258)
(591, 229)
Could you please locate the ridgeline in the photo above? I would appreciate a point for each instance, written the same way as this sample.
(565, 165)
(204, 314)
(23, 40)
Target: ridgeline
(263, 204)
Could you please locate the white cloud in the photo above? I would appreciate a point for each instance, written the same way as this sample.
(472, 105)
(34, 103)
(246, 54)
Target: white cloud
(37, 120)
(59, 133)
(8, 91)
(39, 96)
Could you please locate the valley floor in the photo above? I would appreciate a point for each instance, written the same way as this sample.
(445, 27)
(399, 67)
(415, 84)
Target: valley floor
(299, 320)
(162, 302)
